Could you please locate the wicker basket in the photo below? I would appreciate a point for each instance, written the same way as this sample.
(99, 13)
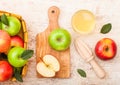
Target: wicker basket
(23, 34)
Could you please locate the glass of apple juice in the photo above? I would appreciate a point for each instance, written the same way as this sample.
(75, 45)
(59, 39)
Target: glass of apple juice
(83, 22)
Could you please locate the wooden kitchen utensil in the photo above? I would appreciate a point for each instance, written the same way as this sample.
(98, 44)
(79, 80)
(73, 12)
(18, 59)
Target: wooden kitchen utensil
(85, 52)
(43, 48)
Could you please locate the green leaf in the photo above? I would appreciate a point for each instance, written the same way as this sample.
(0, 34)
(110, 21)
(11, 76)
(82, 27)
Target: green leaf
(17, 74)
(4, 19)
(81, 72)
(27, 54)
(106, 28)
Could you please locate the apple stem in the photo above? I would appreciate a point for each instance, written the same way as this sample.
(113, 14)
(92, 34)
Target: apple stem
(59, 39)
(53, 11)
(106, 48)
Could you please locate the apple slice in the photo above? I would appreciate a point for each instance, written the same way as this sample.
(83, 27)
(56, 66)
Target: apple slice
(44, 70)
(49, 66)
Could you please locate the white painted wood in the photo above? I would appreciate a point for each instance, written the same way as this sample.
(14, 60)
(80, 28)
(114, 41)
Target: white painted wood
(35, 14)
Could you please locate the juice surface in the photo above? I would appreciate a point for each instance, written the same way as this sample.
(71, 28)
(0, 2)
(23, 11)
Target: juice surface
(83, 21)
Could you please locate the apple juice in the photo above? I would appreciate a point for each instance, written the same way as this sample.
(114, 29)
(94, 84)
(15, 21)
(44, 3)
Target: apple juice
(83, 21)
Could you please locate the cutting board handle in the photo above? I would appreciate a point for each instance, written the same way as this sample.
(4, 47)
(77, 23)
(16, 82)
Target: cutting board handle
(53, 14)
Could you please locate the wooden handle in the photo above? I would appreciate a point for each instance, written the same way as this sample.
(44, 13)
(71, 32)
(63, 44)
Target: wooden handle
(97, 68)
(53, 14)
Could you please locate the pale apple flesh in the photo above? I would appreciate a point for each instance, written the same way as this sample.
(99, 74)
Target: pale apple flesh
(44, 70)
(49, 60)
(49, 66)
(106, 49)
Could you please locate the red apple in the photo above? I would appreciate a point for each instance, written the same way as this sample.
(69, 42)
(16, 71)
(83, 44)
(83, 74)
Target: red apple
(106, 49)
(17, 41)
(6, 71)
(5, 41)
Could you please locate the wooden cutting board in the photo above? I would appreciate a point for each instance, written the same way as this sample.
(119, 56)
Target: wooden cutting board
(43, 48)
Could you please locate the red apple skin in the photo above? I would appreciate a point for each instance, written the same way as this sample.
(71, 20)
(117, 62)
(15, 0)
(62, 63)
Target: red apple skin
(17, 41)
(6, 71)
(5, 41)
(106, 49)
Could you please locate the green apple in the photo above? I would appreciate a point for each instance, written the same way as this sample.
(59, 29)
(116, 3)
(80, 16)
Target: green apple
(59, 39)
(14, 25)
(14, 57)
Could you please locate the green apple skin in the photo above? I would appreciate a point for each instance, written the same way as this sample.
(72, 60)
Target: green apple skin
(59, 39)
(14, 57)
(14, 26)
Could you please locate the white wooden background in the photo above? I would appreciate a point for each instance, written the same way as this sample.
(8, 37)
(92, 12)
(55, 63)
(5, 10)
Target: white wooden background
(35, 14)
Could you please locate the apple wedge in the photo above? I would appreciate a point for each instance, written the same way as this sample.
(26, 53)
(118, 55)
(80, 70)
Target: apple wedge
(49, 66)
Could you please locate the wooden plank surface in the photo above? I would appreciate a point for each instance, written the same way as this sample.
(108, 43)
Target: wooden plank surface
(43, 48)
(34, 12)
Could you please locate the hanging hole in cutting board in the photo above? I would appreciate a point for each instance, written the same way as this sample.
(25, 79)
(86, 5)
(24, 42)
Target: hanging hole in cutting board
(53, 11)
